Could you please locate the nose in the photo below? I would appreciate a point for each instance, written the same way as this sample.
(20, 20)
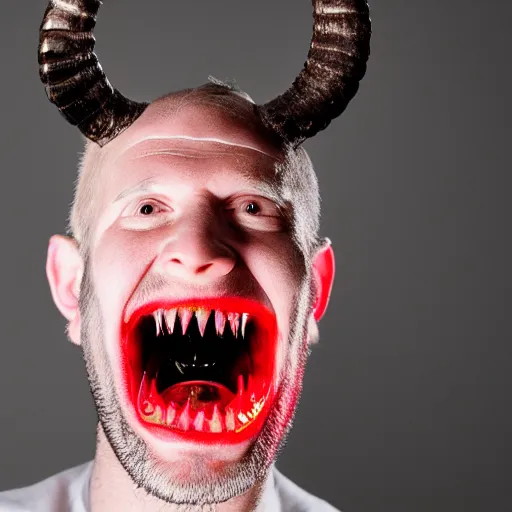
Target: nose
(195, 251)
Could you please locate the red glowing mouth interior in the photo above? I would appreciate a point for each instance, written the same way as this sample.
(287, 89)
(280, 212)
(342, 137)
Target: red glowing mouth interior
(202, 369)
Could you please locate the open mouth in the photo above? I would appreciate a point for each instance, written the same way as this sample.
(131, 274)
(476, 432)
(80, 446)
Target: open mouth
(201, 369)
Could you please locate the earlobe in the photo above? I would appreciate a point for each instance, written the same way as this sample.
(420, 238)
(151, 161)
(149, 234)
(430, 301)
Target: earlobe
(64, 269)
(323, 274)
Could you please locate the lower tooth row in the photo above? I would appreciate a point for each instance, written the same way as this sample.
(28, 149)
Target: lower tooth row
(153, 409)
(186, 419)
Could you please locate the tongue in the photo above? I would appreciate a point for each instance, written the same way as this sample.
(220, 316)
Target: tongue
(202, 394)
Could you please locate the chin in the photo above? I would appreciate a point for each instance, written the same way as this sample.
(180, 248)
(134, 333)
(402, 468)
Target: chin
(199, 376)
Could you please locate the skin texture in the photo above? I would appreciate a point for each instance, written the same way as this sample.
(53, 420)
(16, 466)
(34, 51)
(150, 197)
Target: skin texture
(198, 164)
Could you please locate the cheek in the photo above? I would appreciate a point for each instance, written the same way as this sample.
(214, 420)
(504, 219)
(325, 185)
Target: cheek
(280, 271)
(119, 260)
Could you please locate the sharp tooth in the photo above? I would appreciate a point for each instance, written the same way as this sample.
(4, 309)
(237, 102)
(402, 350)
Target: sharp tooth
(243, 418)
(180, 369)
(216, 421)
(185, 317)
(144, 385)
(153, 393)
(143, 392)
(185, 420)
(243, 323)
(256, 408)
(171, 414)
(158, 415)
(199, 421)
(230, 419)
(170, 318)
(202, 316)
(156, 400)
(220, 322)
(158, 315)
(233, 322)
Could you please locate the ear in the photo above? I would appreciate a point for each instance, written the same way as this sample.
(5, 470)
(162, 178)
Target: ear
(64, 268)
(323, 275)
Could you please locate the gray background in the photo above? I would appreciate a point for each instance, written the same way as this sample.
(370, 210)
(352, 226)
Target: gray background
(406, 398)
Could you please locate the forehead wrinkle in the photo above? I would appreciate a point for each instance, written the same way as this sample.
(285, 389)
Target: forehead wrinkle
(246, 166)
(214, 140)
(261, 170)
(181, 153)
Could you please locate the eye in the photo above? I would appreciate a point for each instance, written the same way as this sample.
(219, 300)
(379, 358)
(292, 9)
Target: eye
(146, 209)
(147, 213)
(256, 213)
(252, 208)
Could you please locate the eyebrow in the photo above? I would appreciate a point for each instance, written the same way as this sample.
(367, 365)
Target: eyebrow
(148, 185)
(143, 186)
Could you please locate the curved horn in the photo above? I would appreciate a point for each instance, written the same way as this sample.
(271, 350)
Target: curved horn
(73, 77)
(336, 62)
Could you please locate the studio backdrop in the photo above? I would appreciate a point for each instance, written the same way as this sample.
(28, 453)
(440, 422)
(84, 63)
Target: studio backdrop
(406, 398)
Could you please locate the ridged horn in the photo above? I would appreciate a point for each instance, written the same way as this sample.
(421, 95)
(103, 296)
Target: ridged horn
(336, 63)
(72, 75)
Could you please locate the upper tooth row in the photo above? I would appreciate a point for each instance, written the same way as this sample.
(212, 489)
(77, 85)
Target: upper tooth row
(164, 320)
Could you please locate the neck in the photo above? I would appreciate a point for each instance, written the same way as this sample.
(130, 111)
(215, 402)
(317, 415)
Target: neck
(111, 488)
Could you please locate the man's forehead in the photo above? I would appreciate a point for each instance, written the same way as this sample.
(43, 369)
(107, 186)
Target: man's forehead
(204, 163)
(227, 121)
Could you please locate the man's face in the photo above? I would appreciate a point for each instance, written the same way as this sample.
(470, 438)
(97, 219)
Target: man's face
(194, 303)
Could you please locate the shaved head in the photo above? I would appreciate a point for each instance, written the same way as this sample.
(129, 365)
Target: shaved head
(210, 113)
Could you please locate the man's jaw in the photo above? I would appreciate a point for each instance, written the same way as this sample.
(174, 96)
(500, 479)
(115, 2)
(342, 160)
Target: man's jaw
(200, 371)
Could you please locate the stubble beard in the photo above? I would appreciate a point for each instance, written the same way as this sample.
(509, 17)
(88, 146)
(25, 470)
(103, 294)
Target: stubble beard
(159, 478)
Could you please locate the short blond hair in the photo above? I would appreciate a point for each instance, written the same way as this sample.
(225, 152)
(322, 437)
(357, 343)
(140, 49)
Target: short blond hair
(81, 215)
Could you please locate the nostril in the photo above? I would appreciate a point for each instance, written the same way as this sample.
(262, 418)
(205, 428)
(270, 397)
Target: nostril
(197, 269)
(203, 268)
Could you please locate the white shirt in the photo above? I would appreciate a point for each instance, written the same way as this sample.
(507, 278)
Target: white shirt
(69, 492)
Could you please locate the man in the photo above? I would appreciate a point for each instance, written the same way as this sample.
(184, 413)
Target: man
(194, 277)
